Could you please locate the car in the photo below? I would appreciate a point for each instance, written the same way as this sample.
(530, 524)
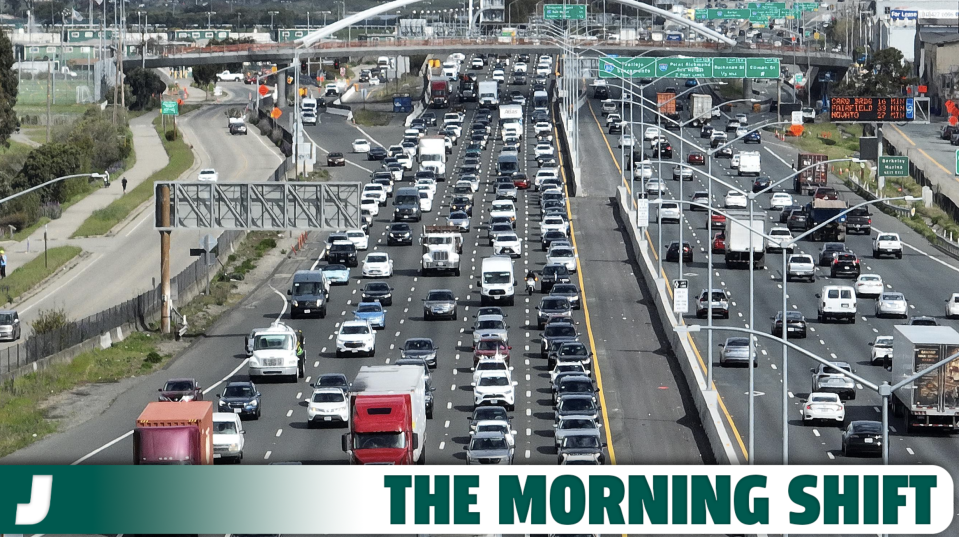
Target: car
(544, 150)
(700, 197)
(753, 137)
(786, 211)
(732, 125)
(719, 243)
(507, 191)
(554, 334)
(780, 238)
(662, 150)
(742, 119)
(399, 233)
(626, 140)
(887, 244)
(735, 199)
(691, 83)
(651, 133)
(240, 127)
(440, 303)
(579, 446)
(376, 153)
(616, 126)
(761, 183)
(829, 251)
(846, 264)
(574, 425)
(240, 397)
(741, 131)
(336, 273)
(562, 255)
(343, 253)
(550, 236)
(495, 388)
(372, 312)
(861, 436)
(831, 378)
(576, 405)
(568, 291)
(736, 350)
(420, 347)
(207, 175)
(952, 306)
(696, 157)
(327, 405)
(359, 238)
(825, 193)
(356, 337)
(459, 220)
(228, 438)
(426, 201)
(491, 348)
(719, 304)
(477, 63)
(489, 364)
(507, 244)
(378, 292)
(551, 307)
(808, 115)
(551, 275)
(825, 407)
(869, 285)
(923, 320)
(488, 448)
(335, 158)
(682, 172)
(706, 131)
(180, 389)
(672, 252)
(796, 220)
(655, 186)
(490, 326)
(724, 152)
(881, 351)
(734, 163)
(669, 211)
(779, 200)
(487, 413)
(361, 145)
(795, 324)
(370, 203)
(10, 325)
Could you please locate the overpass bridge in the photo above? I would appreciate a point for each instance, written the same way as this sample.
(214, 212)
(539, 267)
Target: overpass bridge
(283, 53)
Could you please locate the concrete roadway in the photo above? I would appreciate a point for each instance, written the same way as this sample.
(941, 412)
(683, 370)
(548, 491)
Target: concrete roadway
(819, 444)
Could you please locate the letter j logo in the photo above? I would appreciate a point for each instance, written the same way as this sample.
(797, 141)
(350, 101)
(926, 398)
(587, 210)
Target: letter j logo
(34, 512)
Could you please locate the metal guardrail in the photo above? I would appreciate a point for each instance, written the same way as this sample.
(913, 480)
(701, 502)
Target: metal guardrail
(946, 246)
(902, 211)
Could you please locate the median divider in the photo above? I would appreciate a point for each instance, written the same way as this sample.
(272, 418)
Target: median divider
(708, 405)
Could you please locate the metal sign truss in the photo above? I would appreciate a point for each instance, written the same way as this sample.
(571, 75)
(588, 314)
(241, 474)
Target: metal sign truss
(256, 206)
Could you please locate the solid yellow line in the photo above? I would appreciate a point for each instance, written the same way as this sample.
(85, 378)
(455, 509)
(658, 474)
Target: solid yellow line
(669, 290)
(589, 326)
(902, 134)
(921, 150)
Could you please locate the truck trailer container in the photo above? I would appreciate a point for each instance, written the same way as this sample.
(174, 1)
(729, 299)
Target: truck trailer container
(931, 401)
(813, 178)
(821, 210)
(738, 236)
(174, 433)
(702, 108)
(387, 416)
(489, 93)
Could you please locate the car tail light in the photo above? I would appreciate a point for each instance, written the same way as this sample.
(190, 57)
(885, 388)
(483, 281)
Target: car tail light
(835, 261)
(857, 261)
(808, 407)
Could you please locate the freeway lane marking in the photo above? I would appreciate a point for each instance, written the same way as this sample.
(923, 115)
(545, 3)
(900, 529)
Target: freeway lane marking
(702, 364)
(937, 260)
(934, 161)
(64, 284)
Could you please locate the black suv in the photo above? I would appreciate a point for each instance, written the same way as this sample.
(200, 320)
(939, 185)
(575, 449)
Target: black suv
(672, 252)
(553, 274)
(557, 331)
(829, 252)
(342, 253)
(399, 233)
(845, 264)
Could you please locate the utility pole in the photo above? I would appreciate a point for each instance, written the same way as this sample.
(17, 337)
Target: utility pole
(49, 82)
(165, 302)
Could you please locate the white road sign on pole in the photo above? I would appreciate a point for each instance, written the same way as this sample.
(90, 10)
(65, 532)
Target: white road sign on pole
(680, 296)
(642, 213)
(797, 117)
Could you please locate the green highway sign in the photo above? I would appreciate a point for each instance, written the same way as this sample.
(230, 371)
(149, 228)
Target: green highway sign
(765, 5)
(169, 108)
(894, 166)
(689, 67)
(957, 161)
(806, 6)
(571, 11)
(713, 14)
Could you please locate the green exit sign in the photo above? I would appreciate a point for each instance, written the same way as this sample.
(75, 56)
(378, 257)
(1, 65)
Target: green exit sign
(894, 166)
(169, 108)
(564, 11)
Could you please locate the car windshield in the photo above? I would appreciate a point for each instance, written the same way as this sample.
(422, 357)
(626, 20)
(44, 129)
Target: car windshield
(491, 345)
(866, 427)
(488, 444)
(6, 318)
(824, 398)
(238, 391)
(493, 428)
(369, 308)
(377, 288)
(737, 342)
(576, 405)
(573, 350)
(576, 385)
(563, 289)
(353, 329)
(494, 381)
(870, 278)
(273, 342)
(307, 288)
(884, 342)
(440, 296)
(334, 268)
(577, 424)
(224, 427)
(888, 238)
(491, 365)
(561, 252)
(178, 386)
(418, 345)
(328, 397)
(342, 247)
(555, 270)
(581, 442)
(491, 325)
(554, 304)
(802, 259)
(379, 441)
(560, 331)
(497, 277)
(377, 259)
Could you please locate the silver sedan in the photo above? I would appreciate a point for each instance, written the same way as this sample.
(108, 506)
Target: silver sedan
(892, 304)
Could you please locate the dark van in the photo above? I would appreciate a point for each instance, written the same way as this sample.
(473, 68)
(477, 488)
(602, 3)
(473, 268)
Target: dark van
(308, 294)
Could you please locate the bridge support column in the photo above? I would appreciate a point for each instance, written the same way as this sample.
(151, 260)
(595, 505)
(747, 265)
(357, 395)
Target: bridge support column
(281, 85)
(747, 88)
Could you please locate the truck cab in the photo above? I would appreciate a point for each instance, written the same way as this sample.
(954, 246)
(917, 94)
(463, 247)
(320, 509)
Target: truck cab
(442, 246)
(387, 416)
(274, 352)
(497, 281)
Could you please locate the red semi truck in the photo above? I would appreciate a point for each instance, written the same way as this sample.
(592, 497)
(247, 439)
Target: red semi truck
(807, 181)
(439, 93)
(174, 433)
(387, 416)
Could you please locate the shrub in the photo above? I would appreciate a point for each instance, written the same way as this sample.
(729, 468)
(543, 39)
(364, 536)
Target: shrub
(153, 358)
(49, 321)
(171, 135)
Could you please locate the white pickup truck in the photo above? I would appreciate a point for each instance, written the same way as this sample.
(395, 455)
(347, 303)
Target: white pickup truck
(227, 76)
(887, 244)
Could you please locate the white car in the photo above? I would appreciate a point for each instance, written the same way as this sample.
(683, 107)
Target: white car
(655, 186)
(891, 303)
(503, 208)
(508, 244)
(543, 69)
(490, 364)
(669, 211)
(377, 265)
(869, 285)
(359, 238)
(742, 119)
(643, 170)
(467, 183)
(562, 255)
(734, 162)
(741, 131)
(327, 405)
(952, 306)
(377, 190)
(355, 337)
(651, 133)
(207, 175)
(881, 350)
(499, 75)
(370, 203)
(430, 184)
(735, 198)
(405, 160)
(824, 407)
(626, 140)
(612, 118)
(520, 67)
(361, 145)
(780, 200)
(887, 244)
(782, 235)
(567, 367)
(541, 175)
(553, 223)
(374, 81)
(477, 63)
(542, 127)
(227, 436)
(426, 201)
(496, 426)
(543, 150)
(495, 388)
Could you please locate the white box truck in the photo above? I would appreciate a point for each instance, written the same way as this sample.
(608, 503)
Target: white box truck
(489, 93)
(432, 156)
(750, 163)
(932, 401)
(702, 107)
(737, 238)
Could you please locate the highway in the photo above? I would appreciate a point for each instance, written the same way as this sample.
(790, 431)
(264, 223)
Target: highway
(924, 275)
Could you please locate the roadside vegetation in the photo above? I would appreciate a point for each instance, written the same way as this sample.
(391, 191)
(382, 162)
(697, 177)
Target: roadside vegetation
(371, 118)
(28, 275)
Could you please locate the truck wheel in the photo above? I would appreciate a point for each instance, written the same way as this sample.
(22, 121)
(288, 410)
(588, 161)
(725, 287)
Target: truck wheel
(323, 313)
(456, 272)
(852, 320)
(429, 413)
(372, 352)
(875, 254)
(899, 254)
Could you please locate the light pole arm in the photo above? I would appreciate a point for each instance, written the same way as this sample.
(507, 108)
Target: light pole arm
(105, 175)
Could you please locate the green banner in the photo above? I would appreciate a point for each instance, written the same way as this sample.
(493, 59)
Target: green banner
(689, 67)
(806, 6)
(894, 166)
(571, 11)
(169, 108)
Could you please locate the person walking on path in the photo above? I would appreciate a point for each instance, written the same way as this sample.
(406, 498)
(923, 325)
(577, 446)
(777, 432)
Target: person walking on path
(3, 264)
(123, 183)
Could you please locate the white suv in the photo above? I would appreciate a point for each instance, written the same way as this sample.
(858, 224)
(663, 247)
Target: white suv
(227, 436)
(495, 388)
(887, 244)
(326, 406)
(355, 337)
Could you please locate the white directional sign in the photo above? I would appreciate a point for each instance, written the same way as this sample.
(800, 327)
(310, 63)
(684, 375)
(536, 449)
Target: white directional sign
(680, 296)
(797, 117)
(642, 213)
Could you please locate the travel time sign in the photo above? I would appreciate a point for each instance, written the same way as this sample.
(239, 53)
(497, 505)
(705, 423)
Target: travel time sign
(641, 67)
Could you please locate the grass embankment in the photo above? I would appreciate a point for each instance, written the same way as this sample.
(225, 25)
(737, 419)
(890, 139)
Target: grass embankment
(24, 414)
(371, 118)
(103, 220)
(33, 272)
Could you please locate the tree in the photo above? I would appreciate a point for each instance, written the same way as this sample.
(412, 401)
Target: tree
(145, 85)
(8, 91)
(47, 162)
(884, 75)
(205, 74)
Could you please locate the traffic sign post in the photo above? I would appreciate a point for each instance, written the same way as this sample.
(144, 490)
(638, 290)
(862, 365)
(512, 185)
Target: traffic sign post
(169, 108)
(797, 117)
(564, 12)
(894, 166)
(640, 67)
(957, 161)
(871, 109)
(642, 212)
(680, 296)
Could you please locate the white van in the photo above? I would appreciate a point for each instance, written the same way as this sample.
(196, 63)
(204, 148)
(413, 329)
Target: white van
(837, 302)
(497, 281)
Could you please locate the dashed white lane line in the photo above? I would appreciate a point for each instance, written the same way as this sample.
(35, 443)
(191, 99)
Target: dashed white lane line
(266, 456)
(442, 445)
(830, 455)
(289, 413)
(279, 432)
(910, 451)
